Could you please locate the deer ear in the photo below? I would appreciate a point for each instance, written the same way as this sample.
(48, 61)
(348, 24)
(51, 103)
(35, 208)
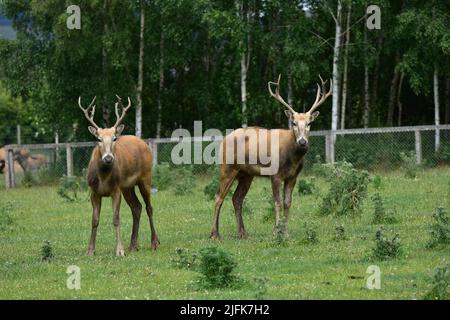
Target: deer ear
(119, 129)
(314, 115)
(93, 131)
(288, 114)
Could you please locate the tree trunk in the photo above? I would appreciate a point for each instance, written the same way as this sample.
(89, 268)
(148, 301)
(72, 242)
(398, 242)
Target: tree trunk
(105, 109)
(140, 74)
(345, 72)
(376, 75)
(161, 84)
(393, 91)
(437, 137)
(244, 89)
(399, 100)
(336, 85)
(447, 101)
(244, 47)
(366, 96)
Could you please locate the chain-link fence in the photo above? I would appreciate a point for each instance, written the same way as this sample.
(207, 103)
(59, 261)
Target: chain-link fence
(374, 149)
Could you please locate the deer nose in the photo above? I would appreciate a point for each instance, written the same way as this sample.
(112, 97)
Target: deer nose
(108, 158)
(303, 142)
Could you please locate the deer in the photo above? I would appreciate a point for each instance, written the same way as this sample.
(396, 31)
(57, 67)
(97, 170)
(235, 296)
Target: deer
(288, 151)
(27, 161)
(118, 164)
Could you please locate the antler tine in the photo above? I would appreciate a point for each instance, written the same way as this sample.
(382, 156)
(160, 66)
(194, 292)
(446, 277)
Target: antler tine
(124, 110)
(90, 117)
(321, 96)
(276, 95)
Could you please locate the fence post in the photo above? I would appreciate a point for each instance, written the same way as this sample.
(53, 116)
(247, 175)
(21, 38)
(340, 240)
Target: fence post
(154, 147)
(418, 139)
(69, 158)
(9, 166)
(329, 147)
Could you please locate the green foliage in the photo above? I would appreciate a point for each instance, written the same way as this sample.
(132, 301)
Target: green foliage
(216, 267)
(28, 180)
(311, 236)
(279, 238)
(340, 233)
(440, 229)
(348, 188)
(6, 218)
(441, 284)
(212, 187)
(385, 248)
(377, 183)
(162, 176)
(184, 181)
(184, 259)
(306, 187)
(47, 251)
(379, 212)
(70, 187)
(261, 287)
(409, 165)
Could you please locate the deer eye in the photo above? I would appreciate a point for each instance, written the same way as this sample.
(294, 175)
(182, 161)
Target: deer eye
(294, 124)
(114, 138)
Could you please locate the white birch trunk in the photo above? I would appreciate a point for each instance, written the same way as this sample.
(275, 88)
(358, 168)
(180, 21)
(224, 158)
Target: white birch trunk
(140, 83)
(345, 72)
(437, 137)
(161, 84)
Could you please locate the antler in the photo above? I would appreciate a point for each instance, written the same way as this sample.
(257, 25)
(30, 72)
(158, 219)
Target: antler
(90, 117)
(320, 96)
(277, 96)
(124, 110)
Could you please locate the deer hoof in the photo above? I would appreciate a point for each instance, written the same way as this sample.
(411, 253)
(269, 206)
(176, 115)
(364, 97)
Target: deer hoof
(215, 236)
(155, 244)
(120, 252)
(90, 252)
(243, 235)
(133, 247)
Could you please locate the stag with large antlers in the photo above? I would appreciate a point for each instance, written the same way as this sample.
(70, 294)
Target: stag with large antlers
(118, 164)
(287, 151)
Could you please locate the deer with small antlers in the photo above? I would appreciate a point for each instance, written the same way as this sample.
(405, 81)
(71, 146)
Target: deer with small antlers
(288, 152)
(118, 164)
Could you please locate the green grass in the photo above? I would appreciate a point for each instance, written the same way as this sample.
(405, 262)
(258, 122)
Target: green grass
(327, 270)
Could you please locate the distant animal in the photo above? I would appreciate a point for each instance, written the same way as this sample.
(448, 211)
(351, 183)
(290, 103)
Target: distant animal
(289, 152)
(2, 159)
(118, 164)
(30, 162)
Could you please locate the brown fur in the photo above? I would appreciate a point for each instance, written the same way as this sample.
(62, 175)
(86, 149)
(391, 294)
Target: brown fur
(131, 167)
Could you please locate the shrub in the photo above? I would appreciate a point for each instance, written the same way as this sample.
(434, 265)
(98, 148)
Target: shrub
(376, 180)
(261, 287)
(216, 267)
(183, 259)
(46, 251)
(340, 233)
(348, 188)
(441, 284)
(162, 177)
(6, 219)
(28, 180)
(305, 187)
(440, 229)
(212, 187)
(379, 213)
(386, 248)
(70, 187)
(409, 165)
(184, 181)
(310, 235)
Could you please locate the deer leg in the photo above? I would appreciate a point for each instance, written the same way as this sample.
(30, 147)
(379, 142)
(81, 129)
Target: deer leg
(238, 198)
(145, 188)
(116, 199)
(276, 183)
(136, 209)
(96, 201)
(226, 180)
(288, 187)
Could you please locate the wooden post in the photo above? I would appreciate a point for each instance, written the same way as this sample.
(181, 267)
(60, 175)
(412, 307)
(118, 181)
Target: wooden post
(69, 159)
(19, 135)
(327, 148)
(9, 166)
(418, 139)
(154, 147)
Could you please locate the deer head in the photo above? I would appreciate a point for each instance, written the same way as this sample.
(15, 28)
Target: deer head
(301, 122)
(106, 137)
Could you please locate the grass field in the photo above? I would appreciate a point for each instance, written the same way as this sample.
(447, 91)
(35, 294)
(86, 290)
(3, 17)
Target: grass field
(327, 270)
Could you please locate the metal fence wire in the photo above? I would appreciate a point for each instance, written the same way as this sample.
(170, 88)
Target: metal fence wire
(374, 149)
